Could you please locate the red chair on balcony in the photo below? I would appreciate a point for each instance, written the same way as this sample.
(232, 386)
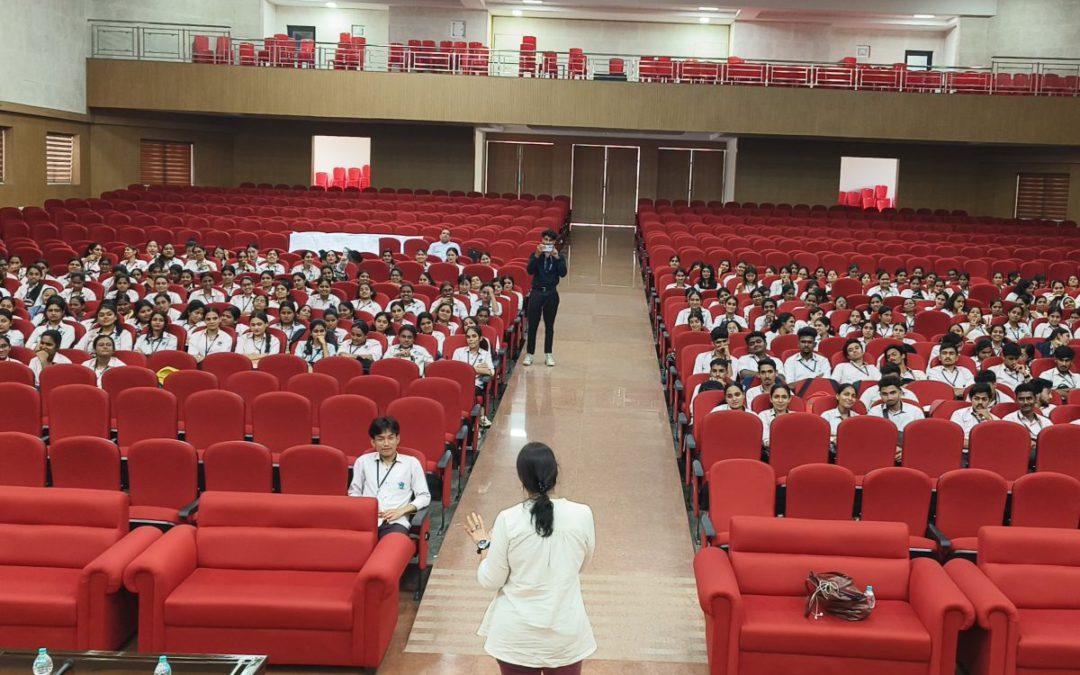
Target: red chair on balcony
(223, 50)
(200, 50)
(577, 64)
(247, 54)
(305, 57)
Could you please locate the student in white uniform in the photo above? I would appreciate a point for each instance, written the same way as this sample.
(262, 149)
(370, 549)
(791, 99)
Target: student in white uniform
(365, 300)
(856, 368)
(207, 294)
(360, 347)
(104, 359)
(8, 330)
(846, 398)
(1028, 414)
(319, 345)
(948, 372)
(405, 347)
(446, 297)
(245, 299)
(45, 354)
(982, 396)
(807, 363)
(894, 408)
(258, 343)
(693, 298)
(396, 481)
(1061, 377)
(479, 359)
(106, 322)
(780, 398)
(156, 337)
(323, 298)
(719, 338)
(533, 559)
(209, 340)
(1011, 372)
(410, 302)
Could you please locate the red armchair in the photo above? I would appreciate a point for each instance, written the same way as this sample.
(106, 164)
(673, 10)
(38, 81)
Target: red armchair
(1026, 593)
(300, 578)
(753, 598)
(62, 559)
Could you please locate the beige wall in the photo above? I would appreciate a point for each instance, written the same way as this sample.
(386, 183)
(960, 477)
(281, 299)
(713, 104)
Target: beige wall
(1028, 28)
(792, 41)
(24, 154)
(612, 37)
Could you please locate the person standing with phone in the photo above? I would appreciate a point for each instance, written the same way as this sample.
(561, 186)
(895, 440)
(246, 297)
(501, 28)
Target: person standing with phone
(547, 267)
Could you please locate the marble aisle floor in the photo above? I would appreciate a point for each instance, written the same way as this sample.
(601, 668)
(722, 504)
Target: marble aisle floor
(602, 410)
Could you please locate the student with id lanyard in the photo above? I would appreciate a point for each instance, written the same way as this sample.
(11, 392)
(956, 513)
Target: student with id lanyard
(397, 481)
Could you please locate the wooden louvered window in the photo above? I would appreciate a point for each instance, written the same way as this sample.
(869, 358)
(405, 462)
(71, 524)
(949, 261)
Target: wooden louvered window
(164, 163)
(1042, 195)
(61, 159)
(3, 144)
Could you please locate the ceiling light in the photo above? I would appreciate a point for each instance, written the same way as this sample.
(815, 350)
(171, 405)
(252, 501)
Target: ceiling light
(533, 2)
(703, 19)
(924, 16)
(708, 9)
(516, 12)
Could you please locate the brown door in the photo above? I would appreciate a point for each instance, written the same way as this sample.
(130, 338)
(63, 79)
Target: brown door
(673, 174)
(536, 168)
(503, 167)
(587, 187)
(708, 176)
(620, 200)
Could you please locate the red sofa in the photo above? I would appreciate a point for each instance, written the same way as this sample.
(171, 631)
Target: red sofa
(1026, 593)
(753, 598)
(300, 578)
(62, 558)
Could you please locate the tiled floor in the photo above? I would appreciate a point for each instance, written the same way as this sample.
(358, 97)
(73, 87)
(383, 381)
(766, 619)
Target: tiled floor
(602, 410)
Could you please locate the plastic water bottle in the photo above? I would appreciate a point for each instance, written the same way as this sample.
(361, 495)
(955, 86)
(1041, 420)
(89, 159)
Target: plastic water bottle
(163, 667)
(870, 599)
(43, 663)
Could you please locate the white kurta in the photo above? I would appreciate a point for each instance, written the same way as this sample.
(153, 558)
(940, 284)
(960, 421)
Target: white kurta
(538, 618)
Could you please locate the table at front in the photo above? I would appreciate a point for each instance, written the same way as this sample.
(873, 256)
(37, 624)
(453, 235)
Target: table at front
(16, 662)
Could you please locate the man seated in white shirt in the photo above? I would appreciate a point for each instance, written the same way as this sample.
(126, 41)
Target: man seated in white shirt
(807, 363)
(768, 374)
(894, 408)
(948, 372)
(719, 376)
(439, 248)
(412, 304)
(397, 481)
(1028, 414)
(1062, 377)
(982, 395)
(746, 367)
(1011, 372)
(855, 369)
(703, 362)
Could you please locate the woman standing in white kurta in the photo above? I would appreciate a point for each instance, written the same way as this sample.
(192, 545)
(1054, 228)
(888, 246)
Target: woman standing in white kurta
(533, 560)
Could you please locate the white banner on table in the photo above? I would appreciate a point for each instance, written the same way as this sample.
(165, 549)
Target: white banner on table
(339, 241)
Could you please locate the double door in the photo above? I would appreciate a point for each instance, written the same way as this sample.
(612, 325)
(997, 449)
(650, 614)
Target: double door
(519, 168)
(604, 184)
(690, 174)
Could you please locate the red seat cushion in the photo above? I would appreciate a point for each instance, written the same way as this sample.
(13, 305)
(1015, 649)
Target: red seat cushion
(922, 543)
(1048, 639)
(965, 544)
(161, 513)
(775, 624)
(263, 599)
(39, 596)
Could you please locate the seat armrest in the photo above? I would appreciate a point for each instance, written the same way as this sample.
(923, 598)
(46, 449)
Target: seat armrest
(720, 599)
(943, 609)
(699, 470)
(382, 571)
(419, 517)
(707, 528)
(992, 609)
(682, 419)
(462, 433)
(691, 443)
(186, 512)
(944, 543)
(475, 412)
(110, 565)
(167, 562)
(444, 461)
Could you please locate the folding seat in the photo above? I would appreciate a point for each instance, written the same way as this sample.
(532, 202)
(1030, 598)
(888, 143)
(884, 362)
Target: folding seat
(223, 365)
(1057, 450)
(472, 405)
(380, 389)
(720, 435)
(85, 462)
(967, 499)
(447, 393)
(820, 492)
(314, 470)
(402, 371)
(116, 380)
(865, 443)
(902, 495)
(79, 410)
(1046, 500)
(21, 409)
(22, 459)
(184, 383)
(163, 481)
(170, 359)
(249, 385)
(795, 439)
(933, 446)
(144, 412)
(1002, 447)
(238, 466)
(200, 49)
(415, 414)
(213, 416)
(316, 388)
(283, 367)
(16, 372)
(346, 419)
(739, 487)
(280, 420)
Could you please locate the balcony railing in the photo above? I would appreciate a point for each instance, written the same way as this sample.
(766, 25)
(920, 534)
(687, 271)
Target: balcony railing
(213, 45)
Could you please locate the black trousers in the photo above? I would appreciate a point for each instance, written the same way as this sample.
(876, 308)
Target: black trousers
(542, 304)
(387, 528)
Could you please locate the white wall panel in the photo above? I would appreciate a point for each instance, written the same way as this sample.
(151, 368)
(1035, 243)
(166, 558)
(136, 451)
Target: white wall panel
(615, 37)
(429, 23)
(826, 43)
(329, 23)
(42, 53)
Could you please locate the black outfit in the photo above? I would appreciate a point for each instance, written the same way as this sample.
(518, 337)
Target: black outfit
(544, 297)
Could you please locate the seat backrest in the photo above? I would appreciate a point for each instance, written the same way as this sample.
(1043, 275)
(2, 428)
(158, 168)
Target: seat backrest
(22, 459)
(404, 372)
(864, 443)
(162, 472)
(897, 494)
(341, 368)
(740, 487)
(285, 532)
(184, 383)
(283, 367)
(379, 388)
(968, 499)
(249, 385)
(345, 422)
(1035, 567)
(771, 556)
(820, 491)
(933, 446)
(92, 521)
(224, 364)
(144, 412)
(1000, 446)
(85, 462)
(415, 414)
(1046, 500)
(281, 419)
(116, 380)
(316, 388)
(78, 410)
(796, 439)
(21, 410)
(313, 470)
(446, 393)
(1057, 450)
(238, 466)
(213, 416)
(728, 434)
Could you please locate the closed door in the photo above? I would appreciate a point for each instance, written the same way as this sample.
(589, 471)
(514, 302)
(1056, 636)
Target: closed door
(605, 184)
(707, 178)
(503, 167)
(519, 167)
(536, 168)
(673, 173)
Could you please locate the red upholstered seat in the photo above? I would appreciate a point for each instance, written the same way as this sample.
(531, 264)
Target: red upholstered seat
(1048, 638)
(776, 624)
(40, 596)
(263, 599)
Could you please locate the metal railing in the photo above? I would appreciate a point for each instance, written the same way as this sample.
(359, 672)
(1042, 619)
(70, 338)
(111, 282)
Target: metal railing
(214, 45)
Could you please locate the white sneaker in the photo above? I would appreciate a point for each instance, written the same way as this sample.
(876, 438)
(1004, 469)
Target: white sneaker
(527, 361)
(549, 360)
(484, 421)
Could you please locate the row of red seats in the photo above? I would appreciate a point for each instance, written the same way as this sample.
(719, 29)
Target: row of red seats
(75, 569)
(446, 56)
(356, 177)
(1015, 612)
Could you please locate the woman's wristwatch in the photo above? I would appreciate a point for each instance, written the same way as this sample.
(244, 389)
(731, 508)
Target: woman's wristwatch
(482, 545)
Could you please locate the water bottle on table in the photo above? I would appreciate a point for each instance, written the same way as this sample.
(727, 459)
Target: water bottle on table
(43, 664)
(163, 667)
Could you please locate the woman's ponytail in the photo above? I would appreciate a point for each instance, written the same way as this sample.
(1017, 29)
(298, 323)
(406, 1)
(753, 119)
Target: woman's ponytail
(539, 472)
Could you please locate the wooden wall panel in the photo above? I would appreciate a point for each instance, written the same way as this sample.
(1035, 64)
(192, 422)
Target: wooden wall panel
(739, 111)
(24, 179)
